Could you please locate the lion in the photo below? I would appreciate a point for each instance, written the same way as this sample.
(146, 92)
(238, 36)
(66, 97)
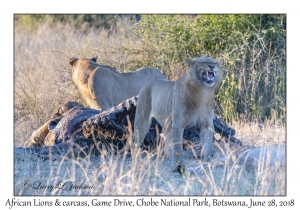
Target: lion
(102, 86)
(188, 101)
(39, 136)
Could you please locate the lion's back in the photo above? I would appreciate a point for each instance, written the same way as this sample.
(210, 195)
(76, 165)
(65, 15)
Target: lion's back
(114, 87)
(142, 77)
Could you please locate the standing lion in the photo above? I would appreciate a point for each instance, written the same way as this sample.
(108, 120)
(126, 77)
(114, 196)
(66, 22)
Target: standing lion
(188, 101)
(103, 86)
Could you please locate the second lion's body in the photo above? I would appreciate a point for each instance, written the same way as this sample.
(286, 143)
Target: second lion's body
(103, 86)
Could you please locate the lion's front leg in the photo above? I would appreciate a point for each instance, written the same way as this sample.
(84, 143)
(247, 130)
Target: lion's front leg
(173, 147)
(177, 134)
(206, 136)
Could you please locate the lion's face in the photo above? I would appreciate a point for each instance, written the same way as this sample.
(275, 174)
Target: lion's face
(206, 70)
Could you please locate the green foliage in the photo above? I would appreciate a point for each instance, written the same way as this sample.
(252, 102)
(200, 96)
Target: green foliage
(251, 46)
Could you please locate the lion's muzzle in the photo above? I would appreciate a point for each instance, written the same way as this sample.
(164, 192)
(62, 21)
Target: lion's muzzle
(208, 77)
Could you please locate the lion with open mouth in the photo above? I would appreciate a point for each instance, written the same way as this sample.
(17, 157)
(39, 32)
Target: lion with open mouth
(188, 101)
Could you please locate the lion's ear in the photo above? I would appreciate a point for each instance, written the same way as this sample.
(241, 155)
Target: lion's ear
(94, 59)
(190, 62)
(219, 63)
(73, 61)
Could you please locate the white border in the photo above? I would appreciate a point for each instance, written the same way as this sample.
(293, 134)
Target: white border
(150, 6)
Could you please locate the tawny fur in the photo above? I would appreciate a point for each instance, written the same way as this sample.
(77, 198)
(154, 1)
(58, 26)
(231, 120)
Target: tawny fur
(103, 86)
(188, 101)
(40, 137)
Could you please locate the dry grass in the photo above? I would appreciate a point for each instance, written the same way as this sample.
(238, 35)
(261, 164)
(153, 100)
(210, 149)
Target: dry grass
(257, 134)
(43, 82)
(42, 76)
(121, 175)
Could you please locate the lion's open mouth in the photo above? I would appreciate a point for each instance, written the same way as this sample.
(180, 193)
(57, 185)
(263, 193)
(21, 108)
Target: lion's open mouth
(208, 76)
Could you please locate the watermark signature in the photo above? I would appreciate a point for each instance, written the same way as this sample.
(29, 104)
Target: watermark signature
(61, 185)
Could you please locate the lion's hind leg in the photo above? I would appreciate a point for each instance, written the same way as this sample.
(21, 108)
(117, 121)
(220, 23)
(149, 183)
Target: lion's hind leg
(142, 120)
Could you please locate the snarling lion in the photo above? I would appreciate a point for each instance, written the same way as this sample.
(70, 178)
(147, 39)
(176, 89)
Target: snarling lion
(188, 101)
(40, 137)
(103, 86)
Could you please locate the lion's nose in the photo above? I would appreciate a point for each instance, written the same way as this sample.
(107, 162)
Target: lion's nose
(211, 67)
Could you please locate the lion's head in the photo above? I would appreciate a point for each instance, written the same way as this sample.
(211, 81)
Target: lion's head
(85, 65)
(206, 70)
(74, 61)
(82, 68)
